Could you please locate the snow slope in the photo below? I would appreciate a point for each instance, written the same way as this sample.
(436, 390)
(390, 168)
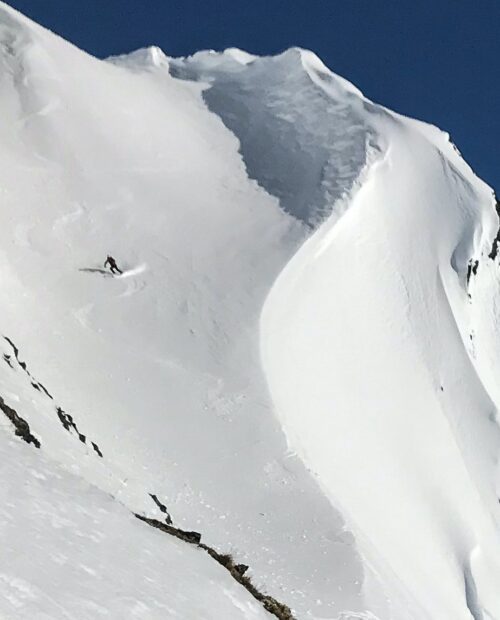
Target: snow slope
(371, 359)
(70, 551)
(161, 368)
(296, 259)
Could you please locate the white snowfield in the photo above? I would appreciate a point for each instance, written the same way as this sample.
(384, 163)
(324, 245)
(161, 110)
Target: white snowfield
(300, 360)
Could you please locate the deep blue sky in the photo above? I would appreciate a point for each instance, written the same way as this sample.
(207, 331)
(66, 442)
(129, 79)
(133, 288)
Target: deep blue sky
(438, 60)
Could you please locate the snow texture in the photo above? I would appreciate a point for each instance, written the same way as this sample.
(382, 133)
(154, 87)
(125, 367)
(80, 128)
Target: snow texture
(300, 359)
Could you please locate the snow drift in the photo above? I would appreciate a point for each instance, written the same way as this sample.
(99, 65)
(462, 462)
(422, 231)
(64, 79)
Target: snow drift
(296, 259)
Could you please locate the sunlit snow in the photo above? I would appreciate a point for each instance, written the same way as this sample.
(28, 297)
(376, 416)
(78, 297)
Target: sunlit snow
(298, 359)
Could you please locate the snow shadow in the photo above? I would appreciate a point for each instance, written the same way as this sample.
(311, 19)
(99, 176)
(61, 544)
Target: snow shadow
(103, 272)
(301, 144)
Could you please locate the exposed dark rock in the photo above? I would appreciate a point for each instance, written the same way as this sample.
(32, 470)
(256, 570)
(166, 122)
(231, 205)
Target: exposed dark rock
(472, 268)
(68, 423)
(494, 247)
(14, 348)
(16, 355)
(237, 571)
(496, 241)
(45, 391)
(96, 449)
(191, 537)
(21, 363)
(162, 508)
(281, 611)
(241, 568)
(64, 419)
(22, 427)
(36, 384)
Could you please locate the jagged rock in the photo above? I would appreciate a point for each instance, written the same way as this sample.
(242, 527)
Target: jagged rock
(96, 449)
(281, 611)
(496, 241)
(237, 571)
(22, 427)
(241, 568)
(190, 537)
(162, 508)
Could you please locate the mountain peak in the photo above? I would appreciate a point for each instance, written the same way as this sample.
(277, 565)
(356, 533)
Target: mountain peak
(144, 58)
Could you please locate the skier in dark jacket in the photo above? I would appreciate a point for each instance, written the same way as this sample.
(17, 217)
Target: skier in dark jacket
(112, 265)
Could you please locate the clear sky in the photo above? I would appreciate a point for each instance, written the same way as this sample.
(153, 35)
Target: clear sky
(437, 60)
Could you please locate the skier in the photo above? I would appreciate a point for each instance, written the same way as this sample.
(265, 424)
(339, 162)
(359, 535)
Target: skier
(112, 265)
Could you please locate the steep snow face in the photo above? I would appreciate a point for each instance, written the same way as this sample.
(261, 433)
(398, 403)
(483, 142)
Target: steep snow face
(278, 233)
(367, 346)
(159, 368)
(301, 129)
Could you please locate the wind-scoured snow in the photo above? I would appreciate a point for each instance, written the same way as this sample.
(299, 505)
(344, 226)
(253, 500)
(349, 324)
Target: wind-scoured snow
(298, 361)
(300, 128)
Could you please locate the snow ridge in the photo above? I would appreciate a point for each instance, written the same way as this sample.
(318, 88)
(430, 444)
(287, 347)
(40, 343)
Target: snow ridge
(378, 320)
